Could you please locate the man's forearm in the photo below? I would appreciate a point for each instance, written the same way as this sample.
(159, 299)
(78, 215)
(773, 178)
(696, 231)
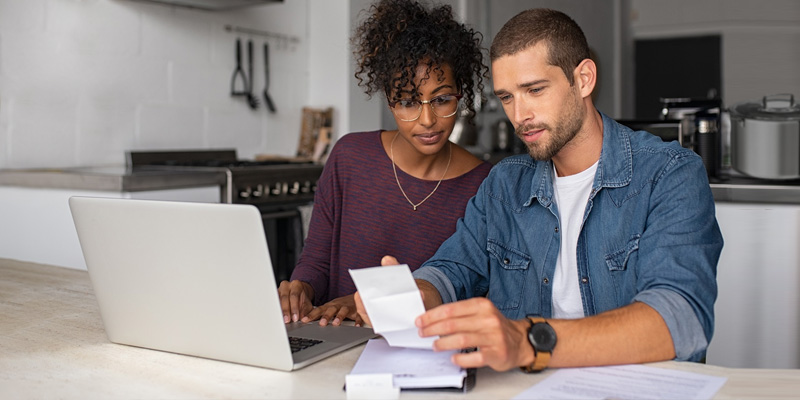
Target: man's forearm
(635, 333)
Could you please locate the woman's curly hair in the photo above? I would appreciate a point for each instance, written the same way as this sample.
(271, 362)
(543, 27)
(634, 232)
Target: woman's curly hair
(399, 35)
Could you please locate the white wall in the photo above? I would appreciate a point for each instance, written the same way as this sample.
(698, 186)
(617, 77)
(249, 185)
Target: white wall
(364, 113)
(83, 81)
(328, 24)
(331, 66)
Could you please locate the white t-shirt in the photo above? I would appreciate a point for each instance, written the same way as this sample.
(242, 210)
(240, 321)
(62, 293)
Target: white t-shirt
(571, 196)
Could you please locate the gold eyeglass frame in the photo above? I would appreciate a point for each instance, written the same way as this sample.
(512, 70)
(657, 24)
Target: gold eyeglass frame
(428, 102)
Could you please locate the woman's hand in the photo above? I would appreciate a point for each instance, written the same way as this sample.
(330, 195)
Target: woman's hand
(295, 299)
(335, 311)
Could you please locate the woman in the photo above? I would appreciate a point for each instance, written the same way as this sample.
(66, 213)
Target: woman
(393, 192)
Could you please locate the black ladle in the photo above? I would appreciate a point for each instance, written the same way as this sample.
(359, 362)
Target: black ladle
(251, 98)
(267, 99)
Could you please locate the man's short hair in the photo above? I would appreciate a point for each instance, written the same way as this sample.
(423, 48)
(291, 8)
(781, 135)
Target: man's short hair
(566, 43)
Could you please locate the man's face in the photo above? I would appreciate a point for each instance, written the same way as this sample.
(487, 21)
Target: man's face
(547, 113)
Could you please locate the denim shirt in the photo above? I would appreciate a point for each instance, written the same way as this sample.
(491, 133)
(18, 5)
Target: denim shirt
(649, 234)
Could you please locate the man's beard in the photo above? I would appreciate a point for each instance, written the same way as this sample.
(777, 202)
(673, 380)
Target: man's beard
(568, 127)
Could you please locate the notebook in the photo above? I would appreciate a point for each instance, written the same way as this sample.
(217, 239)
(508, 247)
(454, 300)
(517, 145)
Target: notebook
(195, 279)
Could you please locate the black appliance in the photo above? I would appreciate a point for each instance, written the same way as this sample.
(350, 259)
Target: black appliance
(696, 124)
(276, 187)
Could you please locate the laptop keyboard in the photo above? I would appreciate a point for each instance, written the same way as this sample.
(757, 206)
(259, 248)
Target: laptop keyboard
(298, 343)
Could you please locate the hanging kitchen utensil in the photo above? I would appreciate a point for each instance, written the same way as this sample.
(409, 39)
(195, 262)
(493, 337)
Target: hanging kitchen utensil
(251, 98)
(238, 74)
(267, 98)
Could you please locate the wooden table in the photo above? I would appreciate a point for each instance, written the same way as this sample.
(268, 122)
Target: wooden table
(52, 345)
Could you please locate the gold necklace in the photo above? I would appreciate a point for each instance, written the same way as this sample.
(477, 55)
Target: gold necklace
(394, 168)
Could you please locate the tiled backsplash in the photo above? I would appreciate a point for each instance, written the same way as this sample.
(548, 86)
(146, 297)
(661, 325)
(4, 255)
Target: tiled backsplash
(81, 82)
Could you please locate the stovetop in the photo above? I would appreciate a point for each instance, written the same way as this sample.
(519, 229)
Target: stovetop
(224, 163)
(215, 158)
(263, 182)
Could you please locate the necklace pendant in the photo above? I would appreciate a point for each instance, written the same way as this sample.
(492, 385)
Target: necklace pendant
(394, 169)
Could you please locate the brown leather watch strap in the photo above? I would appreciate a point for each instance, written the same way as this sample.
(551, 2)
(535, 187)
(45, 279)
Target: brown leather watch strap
(540, 358)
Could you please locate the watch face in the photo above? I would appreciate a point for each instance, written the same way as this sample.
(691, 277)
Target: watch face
(542, 337)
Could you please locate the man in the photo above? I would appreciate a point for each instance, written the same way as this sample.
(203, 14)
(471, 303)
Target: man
(605, 237)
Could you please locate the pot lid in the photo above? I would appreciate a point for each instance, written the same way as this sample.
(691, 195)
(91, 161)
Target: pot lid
(777, 107)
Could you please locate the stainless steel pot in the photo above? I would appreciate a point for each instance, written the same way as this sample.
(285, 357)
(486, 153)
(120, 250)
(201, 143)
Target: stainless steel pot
(765, 138)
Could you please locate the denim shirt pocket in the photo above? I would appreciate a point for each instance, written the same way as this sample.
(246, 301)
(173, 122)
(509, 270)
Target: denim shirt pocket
(509, 268)
(618, 260)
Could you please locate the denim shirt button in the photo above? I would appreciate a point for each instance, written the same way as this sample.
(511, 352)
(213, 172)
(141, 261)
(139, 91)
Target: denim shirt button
(556, 229)
(506, 261)
(584, 280)
(546, 281)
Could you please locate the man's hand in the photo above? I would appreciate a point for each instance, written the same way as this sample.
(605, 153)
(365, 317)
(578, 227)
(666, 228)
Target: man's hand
(502, 343)
(388, 260)
(295, 299)
(335, 311)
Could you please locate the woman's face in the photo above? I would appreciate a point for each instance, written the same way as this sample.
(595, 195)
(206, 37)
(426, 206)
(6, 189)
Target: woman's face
(430, 132)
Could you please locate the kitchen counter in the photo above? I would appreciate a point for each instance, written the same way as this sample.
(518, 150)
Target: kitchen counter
(110, 178)
(121, 179)
(54, 346)
(36, 215)
(749, 190)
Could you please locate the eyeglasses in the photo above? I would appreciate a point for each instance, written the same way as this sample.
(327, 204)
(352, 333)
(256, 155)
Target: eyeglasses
(444, 106)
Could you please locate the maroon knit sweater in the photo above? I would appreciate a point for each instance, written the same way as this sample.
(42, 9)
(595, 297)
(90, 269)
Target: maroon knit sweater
(360, 215)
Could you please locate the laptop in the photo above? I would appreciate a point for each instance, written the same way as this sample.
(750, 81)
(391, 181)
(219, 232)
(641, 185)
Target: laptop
(195, 279)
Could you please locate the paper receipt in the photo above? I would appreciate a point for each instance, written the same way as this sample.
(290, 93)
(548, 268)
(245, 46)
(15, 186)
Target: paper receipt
(393, 302)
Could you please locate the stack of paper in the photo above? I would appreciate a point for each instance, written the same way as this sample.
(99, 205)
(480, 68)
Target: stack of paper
(402, 358)
(410, 368)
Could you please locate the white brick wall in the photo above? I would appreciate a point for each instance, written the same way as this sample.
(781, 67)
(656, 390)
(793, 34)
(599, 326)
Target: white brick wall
(82, 81)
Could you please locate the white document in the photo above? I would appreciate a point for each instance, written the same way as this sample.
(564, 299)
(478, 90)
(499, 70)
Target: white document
(409, 368)
(377, 386)
(393, 302)
(624, 382)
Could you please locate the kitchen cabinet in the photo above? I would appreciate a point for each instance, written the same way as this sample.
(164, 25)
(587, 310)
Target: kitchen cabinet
(758, 307)
(34, 211)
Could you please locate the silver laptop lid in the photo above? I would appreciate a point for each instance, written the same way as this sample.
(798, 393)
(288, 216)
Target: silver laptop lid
(189, 278)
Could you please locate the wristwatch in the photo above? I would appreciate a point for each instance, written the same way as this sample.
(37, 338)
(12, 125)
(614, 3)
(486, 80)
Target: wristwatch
(543, 340)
